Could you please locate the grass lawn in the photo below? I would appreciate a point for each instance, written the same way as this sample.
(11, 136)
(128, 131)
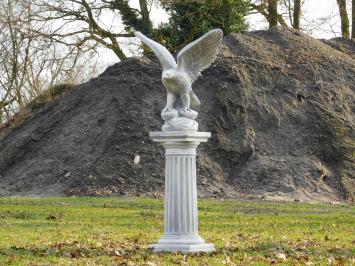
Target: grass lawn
(117, 231)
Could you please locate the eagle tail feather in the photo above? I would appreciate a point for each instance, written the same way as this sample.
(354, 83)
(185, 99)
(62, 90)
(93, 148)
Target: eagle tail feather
(194, 100)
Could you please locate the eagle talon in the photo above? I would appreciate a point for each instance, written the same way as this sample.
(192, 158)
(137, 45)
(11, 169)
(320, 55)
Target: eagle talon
(188, 113)
(169, 113)
(167, 109)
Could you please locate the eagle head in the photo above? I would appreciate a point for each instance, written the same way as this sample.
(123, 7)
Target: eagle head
(169, 74)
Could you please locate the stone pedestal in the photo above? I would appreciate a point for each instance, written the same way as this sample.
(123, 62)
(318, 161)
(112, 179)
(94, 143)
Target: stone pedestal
(180, 206)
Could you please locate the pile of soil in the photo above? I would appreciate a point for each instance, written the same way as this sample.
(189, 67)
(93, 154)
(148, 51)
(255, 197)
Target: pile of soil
(279, 104)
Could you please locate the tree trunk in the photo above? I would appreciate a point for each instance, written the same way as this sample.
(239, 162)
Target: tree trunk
(272, 9)
(1, 118)
(117, 49)
(353, 20)
(343, 18)
(297, 14)
(147, 26)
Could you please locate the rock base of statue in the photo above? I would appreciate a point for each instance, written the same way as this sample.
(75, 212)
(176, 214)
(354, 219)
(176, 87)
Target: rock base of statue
(179, 119)
(180, 206)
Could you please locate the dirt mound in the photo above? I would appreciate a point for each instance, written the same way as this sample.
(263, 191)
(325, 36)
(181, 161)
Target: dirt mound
(279, 104)
(344, 45)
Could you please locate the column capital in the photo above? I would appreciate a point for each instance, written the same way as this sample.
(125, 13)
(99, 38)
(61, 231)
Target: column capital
(179, 136)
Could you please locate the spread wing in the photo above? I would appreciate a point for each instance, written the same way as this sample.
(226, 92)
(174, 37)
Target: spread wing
(164, 56)
(199, 54)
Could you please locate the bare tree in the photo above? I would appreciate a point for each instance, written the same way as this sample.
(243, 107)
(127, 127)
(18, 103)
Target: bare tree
(263, 7)
(29, 64)
(92, 23)
(14, 50)
(343, 18)
(291, 11)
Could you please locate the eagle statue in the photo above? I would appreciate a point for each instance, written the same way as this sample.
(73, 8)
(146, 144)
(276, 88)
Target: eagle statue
(177, 77)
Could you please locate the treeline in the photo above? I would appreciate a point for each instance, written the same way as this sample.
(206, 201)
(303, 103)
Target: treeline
(49, 42)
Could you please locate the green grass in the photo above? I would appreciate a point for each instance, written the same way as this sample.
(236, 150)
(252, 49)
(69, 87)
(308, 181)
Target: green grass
(117, 231)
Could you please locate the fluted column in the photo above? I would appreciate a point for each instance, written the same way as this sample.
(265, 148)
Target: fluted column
(180, 207)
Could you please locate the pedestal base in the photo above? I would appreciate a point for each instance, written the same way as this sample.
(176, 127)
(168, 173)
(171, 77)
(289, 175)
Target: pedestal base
(184, 248)
(186, 243)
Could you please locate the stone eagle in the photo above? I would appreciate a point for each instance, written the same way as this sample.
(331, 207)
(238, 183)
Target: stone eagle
(178, 77)
(191, 61)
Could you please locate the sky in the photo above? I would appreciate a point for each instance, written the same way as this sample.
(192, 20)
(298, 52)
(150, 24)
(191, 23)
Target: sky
(320, 19)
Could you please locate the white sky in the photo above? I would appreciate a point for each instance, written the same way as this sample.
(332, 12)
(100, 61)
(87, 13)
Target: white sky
(319, 19)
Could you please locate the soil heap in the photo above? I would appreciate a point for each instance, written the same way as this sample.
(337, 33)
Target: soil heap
(279, 104)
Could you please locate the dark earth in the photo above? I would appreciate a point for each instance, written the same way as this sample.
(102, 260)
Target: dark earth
(279, 105)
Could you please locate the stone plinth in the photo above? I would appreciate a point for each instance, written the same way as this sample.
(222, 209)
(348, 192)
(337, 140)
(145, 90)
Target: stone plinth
(180, 206)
